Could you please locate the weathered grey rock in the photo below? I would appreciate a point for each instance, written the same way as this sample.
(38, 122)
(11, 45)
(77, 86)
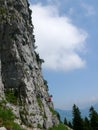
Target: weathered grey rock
(1, 85)
(20, 67)
(3, 128)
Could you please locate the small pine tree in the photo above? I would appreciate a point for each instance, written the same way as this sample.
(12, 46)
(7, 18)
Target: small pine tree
(65, 121)
(77, 120)
(93, 119)
(70, 124)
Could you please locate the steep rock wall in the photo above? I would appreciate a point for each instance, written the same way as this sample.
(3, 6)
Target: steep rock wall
(21, 80)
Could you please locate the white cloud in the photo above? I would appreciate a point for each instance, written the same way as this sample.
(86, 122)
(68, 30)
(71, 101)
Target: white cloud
(58, 40)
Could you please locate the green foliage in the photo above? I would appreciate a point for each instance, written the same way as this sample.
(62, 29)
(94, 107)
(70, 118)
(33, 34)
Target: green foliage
(3, 11)
(59, 127)
(93, 119)
(12, 126)
(44, 116)
(39, 102)
(77, 120)
(70, 124)
(7, 119)
(6, 114)
(65, 121)
(46, 84)
(78, 123)
(87, 125)
(53, 111)
(16, 127)
(58, 116)
(2, 103)
(39, 126)
(11, 96)
(39, 60)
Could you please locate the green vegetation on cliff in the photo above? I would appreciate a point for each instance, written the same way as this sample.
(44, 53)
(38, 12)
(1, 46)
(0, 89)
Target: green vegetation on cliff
(7, 118)
(59, 127)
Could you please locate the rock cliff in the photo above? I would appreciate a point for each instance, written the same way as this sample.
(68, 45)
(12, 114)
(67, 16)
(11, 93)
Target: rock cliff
(21, 82)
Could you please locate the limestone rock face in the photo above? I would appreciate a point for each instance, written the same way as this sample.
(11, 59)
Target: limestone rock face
(1, 85)
(21, 81)
(2, 128)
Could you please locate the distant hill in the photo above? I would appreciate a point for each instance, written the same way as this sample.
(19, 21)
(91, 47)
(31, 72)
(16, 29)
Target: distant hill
(68, 113)
(64, 113)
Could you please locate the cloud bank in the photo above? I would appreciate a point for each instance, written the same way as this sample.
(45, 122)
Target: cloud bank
(59, 41)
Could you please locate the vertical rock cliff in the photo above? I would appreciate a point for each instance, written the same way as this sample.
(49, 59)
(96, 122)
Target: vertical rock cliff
(21, 81)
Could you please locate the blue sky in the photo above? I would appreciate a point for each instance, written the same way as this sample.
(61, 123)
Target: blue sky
(66, 33)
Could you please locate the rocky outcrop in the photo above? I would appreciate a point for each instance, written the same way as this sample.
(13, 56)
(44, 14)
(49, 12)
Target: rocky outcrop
(3, 128)
(21, 81)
